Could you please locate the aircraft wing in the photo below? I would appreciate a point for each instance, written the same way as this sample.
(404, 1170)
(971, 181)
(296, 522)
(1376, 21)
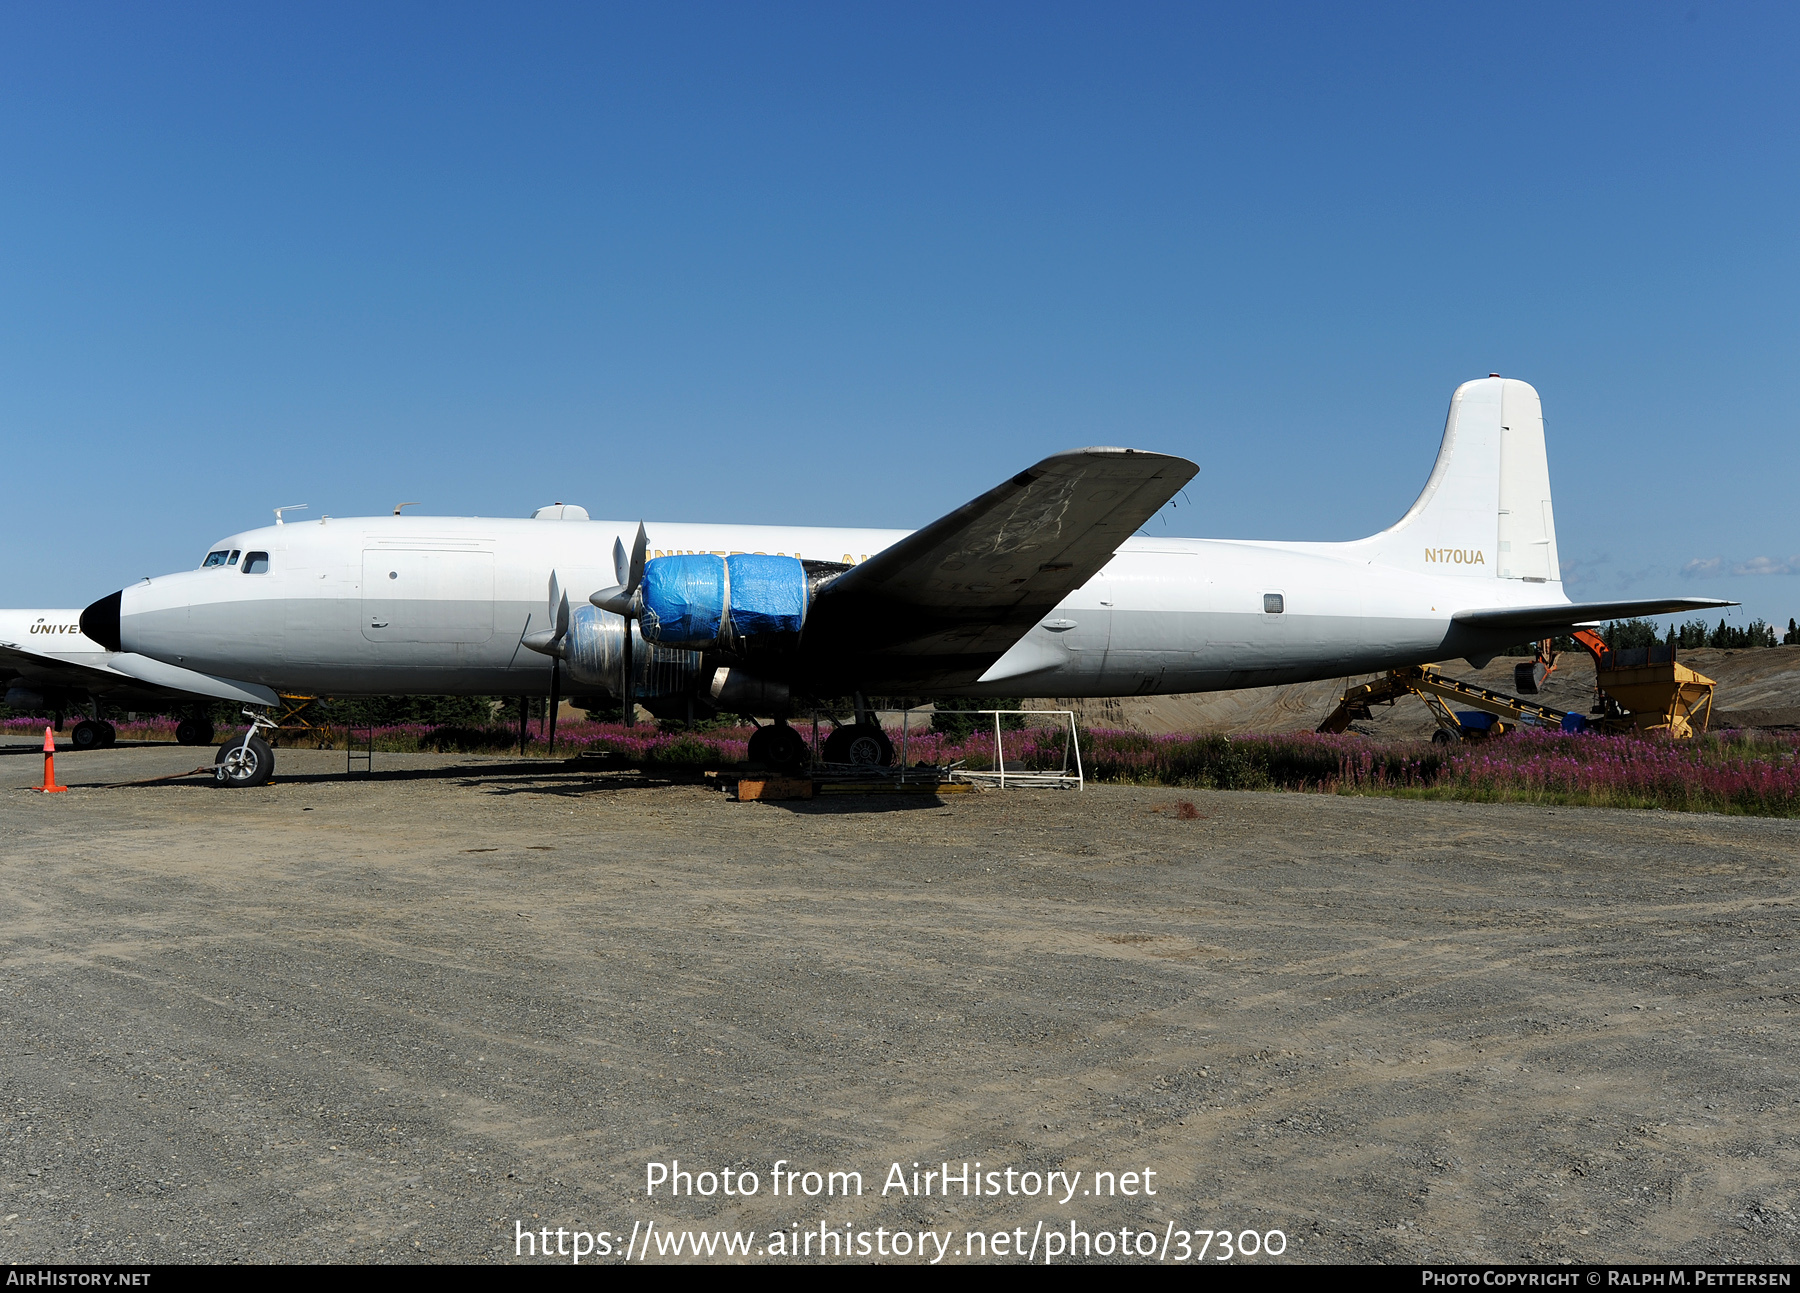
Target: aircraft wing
(175, 678)
(113, 669)
(1570, 614)
(947, 601)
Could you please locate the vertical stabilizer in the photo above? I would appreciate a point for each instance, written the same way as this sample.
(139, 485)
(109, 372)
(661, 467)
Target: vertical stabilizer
(1485, 511)
(1526, 537)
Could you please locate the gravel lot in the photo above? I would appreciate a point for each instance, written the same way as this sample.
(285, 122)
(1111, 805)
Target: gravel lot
(392, 1019)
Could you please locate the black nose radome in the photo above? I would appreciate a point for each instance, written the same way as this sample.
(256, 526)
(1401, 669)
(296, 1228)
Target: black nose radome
(100, 622)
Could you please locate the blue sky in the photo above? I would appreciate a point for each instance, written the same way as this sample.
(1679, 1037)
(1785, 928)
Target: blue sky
(855, 263)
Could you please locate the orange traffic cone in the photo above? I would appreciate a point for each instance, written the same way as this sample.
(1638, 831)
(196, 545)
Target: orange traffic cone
(50, 787)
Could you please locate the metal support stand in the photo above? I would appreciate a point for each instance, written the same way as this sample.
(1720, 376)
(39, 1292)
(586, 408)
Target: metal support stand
(1064, 778)
(366, 754)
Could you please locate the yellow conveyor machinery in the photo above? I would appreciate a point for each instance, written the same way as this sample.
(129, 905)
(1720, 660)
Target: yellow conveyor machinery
(1645, 690)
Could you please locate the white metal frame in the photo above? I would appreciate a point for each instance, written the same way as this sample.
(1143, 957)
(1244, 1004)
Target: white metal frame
(1059, 780)
(1000, 777)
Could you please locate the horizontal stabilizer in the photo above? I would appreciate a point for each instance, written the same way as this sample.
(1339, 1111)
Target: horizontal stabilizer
(173, 676)
(1572, 613)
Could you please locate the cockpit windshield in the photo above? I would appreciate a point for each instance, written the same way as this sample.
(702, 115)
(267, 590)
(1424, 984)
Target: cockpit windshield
(215, 558)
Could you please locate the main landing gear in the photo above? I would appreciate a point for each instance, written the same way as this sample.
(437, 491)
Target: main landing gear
(194, 731)
(93, 734)
(780, 747)
(862, 744)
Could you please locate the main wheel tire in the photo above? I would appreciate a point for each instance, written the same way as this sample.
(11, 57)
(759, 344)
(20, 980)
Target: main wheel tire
(194, 731)
(109, 735)
(864, 745)
(88, 735)
(779, 747)
(239, 765)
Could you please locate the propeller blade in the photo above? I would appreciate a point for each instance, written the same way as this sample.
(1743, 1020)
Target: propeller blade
(559, 607)
(555, 697)
(638, 549)
(621, 562)
(626, 700)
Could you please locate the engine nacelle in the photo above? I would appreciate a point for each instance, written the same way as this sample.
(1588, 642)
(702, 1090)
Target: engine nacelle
(591, 655)
(744, 693)
(705, 600)
(24, 698)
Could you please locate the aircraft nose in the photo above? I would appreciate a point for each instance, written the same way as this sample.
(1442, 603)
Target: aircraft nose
(100, 622)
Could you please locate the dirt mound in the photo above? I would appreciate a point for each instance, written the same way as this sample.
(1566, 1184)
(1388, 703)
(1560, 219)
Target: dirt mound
(1757, 688)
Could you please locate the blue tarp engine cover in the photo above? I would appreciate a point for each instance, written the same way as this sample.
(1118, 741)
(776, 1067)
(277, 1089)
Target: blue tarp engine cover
(768, 594)
(684, 599)
(689, 599)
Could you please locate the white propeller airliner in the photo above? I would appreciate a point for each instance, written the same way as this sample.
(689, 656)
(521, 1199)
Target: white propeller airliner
(1036, 588)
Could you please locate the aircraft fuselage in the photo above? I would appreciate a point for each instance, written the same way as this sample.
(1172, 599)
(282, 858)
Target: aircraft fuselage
(439, 605)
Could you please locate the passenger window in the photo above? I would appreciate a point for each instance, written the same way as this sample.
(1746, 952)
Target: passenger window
(256, 563)
(1273, 604)
(233, 559)
(214, 559)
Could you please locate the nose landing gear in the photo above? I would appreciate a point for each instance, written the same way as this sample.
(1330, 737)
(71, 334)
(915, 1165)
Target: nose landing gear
(247, 761)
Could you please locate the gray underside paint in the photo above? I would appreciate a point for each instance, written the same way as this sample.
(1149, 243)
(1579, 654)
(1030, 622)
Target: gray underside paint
(324, 646)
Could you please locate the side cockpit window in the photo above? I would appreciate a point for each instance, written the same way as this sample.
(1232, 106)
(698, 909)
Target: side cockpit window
(232, 560)
(256, 563)
(215, 558)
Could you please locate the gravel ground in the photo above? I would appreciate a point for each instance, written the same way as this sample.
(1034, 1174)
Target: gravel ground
(398, 1018)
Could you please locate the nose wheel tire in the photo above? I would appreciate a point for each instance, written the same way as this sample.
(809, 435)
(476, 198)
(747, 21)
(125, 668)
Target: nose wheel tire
(863, 744)
(89, 734)
(194, 731)
(240, 765)
(780, 747)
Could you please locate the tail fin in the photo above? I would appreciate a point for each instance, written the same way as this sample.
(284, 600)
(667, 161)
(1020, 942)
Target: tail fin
(1485, 511)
